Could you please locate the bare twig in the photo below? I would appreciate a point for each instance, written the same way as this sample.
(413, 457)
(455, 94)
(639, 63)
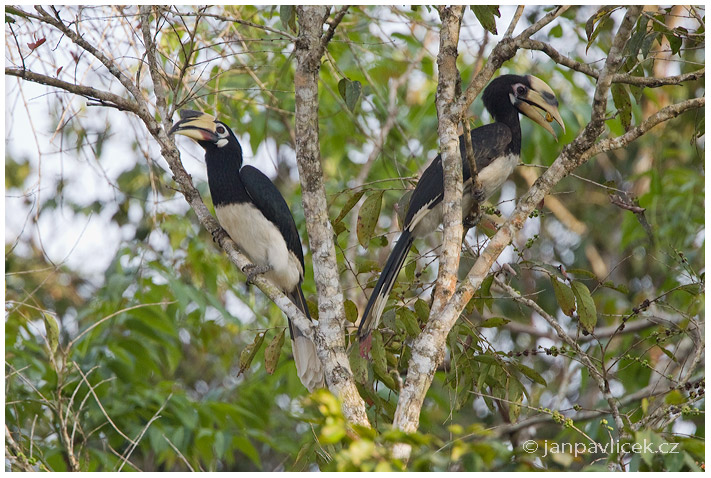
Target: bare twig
(514, 21)
(180, 455)
(104, 98)
(332, 25)
(155, 417)
(101, 406)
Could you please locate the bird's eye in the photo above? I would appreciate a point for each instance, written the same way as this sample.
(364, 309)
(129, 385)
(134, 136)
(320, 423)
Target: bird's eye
(220, 130)
(520, 90)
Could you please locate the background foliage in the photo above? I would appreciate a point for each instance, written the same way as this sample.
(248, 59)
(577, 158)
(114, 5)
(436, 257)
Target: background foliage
(132, 343)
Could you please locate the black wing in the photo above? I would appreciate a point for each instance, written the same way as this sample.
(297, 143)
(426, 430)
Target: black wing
(271, 203)
(488, 143)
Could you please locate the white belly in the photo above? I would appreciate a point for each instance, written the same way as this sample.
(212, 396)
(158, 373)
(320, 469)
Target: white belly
(262, 242)
(495, 174)
(491, 179)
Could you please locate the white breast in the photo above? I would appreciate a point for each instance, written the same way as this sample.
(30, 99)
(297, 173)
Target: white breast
(491, 179)
(495, 174)
(262, 242)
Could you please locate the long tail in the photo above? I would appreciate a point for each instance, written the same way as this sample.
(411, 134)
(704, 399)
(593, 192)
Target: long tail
(308, 365)
(379, 296)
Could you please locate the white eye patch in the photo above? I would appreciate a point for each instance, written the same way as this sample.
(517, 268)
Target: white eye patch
(221, 143)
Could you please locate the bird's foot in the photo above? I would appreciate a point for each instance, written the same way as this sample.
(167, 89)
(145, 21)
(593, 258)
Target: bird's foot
(219, 235)
(253, 270)
(479, 195)
(472, 219)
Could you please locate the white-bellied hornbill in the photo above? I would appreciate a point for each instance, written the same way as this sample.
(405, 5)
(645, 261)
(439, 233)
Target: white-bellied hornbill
(497, 150)
(255, 215)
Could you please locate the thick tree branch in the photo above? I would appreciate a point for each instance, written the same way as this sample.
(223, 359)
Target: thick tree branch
(428, 354)
(407, 414)
(428, 346)
(330, 343)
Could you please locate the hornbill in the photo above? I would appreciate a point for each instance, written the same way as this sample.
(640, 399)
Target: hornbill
(497, 149)
(255, 215)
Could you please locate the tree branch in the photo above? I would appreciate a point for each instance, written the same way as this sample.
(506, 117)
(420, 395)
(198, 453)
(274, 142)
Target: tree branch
(617, 77)
(427, 347)
(330, 342)
(106, 98)
(332, 25)
(407, 414)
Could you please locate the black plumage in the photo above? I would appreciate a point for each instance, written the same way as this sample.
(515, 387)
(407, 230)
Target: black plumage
(255, 215)
(497, 149)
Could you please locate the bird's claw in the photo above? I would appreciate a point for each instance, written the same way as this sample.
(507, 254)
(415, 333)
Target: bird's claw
(253, 270)
(219, 235)
(479, 195)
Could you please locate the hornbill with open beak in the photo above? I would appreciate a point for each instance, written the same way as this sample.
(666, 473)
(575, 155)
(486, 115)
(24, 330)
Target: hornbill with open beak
(497, 150)
(255, 215)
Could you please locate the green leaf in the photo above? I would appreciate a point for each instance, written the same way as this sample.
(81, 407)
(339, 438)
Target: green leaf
(515, 396)
(410, 271)
(352, 200)
(271, 353)
(586, 306)
(530, 373)
(485, 15)
(422, 310)
(351, 311)
(494, 322)
(582, 273)
(623, 104)
(647, 43)
(377, 352)
(565, 297)
(359, 366)
(618, 287)
(52, 328)
(353, 92)
(486, 358)
(350, 91)
(243, 444)
(367, 265)
(635, 41)
(287, 14)
(409, 320)
(249, 352)
(338, 228)
(674, 42)
(368, 217)
(591, 32)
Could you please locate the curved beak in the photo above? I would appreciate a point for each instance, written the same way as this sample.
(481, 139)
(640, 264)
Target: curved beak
(541, 105)
(195, 125)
